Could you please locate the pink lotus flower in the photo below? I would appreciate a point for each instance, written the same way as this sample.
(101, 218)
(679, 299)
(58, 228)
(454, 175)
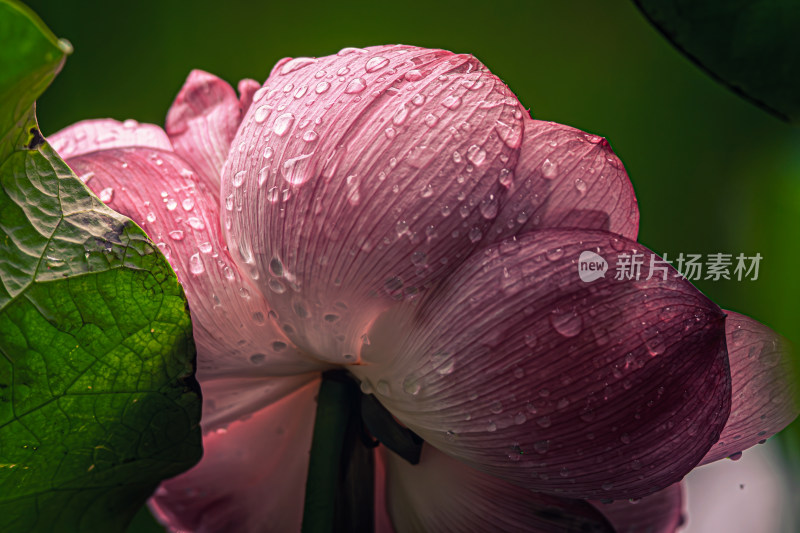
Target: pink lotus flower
(396, 212)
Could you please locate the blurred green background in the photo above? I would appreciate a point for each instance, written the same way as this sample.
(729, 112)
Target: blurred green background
(712, 172)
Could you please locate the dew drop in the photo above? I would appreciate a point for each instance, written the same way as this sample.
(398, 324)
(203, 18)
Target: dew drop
(176, 235)
(355, 86)
(476, 154)
(196, 223)
(413, 75)
(452, 102)
(322, 87)
(187, 204)
(568, 323)
(262, 113)
(400, 115)
(376, 63)
(258, 358)
(238, 178)
(151, 217)
(549, 169)
(282, 124)
(106, 195)
(196, 264)
(296, 64)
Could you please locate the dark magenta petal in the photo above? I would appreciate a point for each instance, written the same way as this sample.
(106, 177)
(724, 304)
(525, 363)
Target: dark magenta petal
(765, 395)
(566, 178)
(606, 389)
(661, 512)
(233, 329)
(102, 134)
(202, 122)
(251, 477)
(364, 177)
(444, 495)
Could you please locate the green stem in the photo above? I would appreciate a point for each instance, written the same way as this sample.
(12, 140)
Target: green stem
(339, 486)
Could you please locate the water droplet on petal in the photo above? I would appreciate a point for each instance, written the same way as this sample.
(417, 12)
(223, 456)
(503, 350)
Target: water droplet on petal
(258, 358)
(549, 169)
(413, 75)
(296, 64)
(452, 102)
(176, 235)
(196, 264)
(196, 223)
(376, 63)
(282, 124)
(476, 154)
(204, 247)
(238, 178)
(401, 115)
(580, 185)
(567, 323)
(412, 385)
(262, 113)
(322, 87)
(187, 204)
(106, 195)
(355, 86)
(151, 217)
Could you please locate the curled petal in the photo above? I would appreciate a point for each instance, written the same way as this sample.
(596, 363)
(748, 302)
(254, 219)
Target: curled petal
(765, 387)
(661, 512)
(377, 172)
(202, 122)
(604, 389)
(247, 89)
(566, 178)
(233, 328)
(444, 495)
(252, 474)
(102, 134)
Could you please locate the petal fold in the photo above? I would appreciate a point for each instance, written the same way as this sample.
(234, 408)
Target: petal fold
(444, 495)
(766, 391)
(252, 474)
(368, 176)
(605, 389)
(662, 512)
(566, 178)
(202, 122)
(102, 134)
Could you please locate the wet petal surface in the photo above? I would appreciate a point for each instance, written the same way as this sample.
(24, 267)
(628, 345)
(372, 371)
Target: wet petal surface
(366, 177)
(609, 389)
(101, 134)
(252, 475)
(765, 388)
(202, 122)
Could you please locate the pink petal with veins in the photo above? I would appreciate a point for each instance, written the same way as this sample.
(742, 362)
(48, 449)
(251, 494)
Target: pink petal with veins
(444, 495)
(603, 390)
(368, 176)
(766, 398)
(251, 477)
(202, 122)
(102, 134)
(662, 512)
(247, 89)
(233, 328)
(566, 178)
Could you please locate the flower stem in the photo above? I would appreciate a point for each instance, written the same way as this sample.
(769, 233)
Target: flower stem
(340, 482)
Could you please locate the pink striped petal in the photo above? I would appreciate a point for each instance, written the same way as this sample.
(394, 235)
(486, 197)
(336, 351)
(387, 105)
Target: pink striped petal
(102, 134)
(367, 176)
(247, 89)
(566, 178)
(444, 495)
(233, 328)
(202, 122)
(766, 390)
(604, 390)
(661, 512)
(251, 477)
